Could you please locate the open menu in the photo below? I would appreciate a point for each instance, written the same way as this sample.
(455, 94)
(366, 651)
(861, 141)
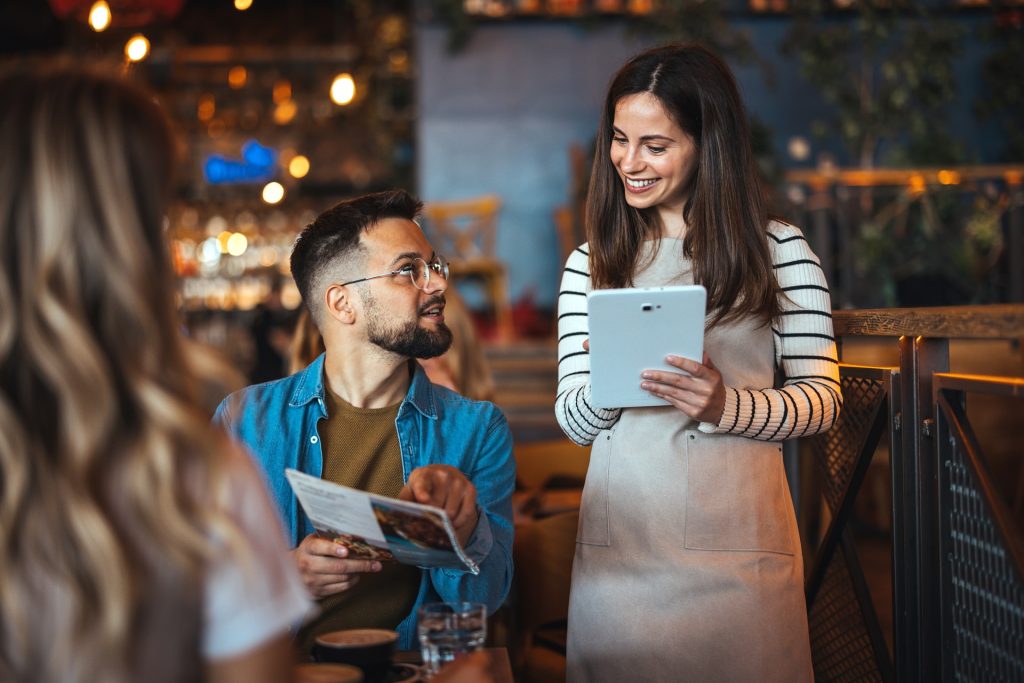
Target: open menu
(376, 527)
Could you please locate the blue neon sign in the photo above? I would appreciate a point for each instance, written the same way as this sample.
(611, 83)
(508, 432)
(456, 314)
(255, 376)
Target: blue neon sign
(258, 164)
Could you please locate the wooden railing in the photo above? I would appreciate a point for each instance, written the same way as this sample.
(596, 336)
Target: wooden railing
(957, 550)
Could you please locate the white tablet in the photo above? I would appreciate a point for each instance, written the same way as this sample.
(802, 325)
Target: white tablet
(632, 330)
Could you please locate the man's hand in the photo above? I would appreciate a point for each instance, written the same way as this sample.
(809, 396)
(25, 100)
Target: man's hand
(325, 566)
(445, 487)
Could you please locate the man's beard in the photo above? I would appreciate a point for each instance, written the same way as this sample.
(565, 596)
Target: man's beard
(408, 339)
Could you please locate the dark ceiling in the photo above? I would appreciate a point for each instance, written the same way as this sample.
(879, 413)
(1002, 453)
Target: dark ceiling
(30, 26)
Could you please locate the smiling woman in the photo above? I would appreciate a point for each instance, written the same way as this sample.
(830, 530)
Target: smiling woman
(686, 530)
(655, 159)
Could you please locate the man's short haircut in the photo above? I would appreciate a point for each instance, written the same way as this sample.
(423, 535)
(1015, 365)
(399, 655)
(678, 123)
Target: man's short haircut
(335, 235)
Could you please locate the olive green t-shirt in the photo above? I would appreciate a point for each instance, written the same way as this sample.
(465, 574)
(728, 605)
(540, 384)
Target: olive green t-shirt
(361, 450)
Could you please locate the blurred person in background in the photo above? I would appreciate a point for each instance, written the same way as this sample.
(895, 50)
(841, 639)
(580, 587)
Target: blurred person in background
(364, 414)
(271, 336)
(136, 543)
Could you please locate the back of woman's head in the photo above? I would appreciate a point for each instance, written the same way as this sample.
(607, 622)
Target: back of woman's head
(726, 213)
(103, 459)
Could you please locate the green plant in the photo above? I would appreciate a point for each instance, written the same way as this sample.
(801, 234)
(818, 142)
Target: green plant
(886, 69)
(1002, 100)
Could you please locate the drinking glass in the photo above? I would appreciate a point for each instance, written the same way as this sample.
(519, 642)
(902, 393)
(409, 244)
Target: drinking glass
(450, 629)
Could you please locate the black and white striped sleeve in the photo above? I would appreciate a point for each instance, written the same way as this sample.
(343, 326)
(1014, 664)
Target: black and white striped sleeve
(805, 347)
(580, 421)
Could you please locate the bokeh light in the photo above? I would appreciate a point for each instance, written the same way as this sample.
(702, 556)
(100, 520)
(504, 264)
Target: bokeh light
(343, 89)
(273, 192)
(298, 167)
(137, 48)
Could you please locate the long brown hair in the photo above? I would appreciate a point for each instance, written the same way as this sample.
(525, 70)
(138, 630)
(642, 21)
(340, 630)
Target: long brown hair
(112, 487)
(726, 213)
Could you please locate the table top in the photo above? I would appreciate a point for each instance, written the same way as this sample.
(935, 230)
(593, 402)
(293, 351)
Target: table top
(498, 661)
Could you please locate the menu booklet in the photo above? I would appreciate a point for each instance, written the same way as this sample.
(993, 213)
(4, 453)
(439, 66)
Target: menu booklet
(376, 527)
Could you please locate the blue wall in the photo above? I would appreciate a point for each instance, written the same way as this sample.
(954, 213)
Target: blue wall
(499, 117)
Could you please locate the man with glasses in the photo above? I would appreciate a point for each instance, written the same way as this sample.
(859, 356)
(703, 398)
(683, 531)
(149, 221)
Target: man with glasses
(365, 415)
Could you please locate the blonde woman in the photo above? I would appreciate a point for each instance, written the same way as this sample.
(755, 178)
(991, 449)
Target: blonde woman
(136, 544)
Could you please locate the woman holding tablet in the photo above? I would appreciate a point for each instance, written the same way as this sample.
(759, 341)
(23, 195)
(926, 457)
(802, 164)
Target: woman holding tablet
(137, 543)
(688, 563)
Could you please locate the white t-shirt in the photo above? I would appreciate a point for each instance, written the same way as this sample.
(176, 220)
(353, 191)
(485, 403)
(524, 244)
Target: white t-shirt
(247, 605)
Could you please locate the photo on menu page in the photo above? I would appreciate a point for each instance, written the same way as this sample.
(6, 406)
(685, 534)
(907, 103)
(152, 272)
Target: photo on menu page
(358, 547)
(414, 535)
(380, 528)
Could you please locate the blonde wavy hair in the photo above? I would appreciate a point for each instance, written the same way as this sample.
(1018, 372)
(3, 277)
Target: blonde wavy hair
(113, 489)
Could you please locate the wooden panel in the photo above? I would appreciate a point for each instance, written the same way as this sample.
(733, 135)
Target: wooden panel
(994, 321)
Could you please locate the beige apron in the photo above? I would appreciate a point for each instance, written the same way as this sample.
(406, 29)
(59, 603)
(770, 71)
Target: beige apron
(688, 564)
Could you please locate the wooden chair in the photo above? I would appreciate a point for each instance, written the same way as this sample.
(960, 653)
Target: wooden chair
(543, 552)
(466, 232)
(549, 478)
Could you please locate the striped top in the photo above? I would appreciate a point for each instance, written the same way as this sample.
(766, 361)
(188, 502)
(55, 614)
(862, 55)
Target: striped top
(805, 348)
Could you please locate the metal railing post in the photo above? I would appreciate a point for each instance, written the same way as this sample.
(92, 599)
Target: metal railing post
(1015, 218)
(915, 524)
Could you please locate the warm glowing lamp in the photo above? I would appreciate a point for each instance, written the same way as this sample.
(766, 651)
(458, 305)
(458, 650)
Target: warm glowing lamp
(343, 89)
(242, 5)
(206, 108)
(237, 244)
(282, 91)
(298, 167)
(137, 48)
(285, 112)
(273, 192)
(237, 77)
(99, 16)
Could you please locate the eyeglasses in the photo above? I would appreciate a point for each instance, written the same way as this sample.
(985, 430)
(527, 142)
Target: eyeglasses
(418, 271)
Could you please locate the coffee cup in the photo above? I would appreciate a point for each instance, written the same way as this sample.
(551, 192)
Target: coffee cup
(369, 649)
(327, 673)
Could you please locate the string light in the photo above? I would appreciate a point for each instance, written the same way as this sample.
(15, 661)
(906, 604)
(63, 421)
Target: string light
(237, 244)
(298, 167)
(137, 48)
(237, 77)
(206, 108)
(343, 89)
(222, 240)
(282, 91)
(285, 112)
(99, 16)
(273, 192)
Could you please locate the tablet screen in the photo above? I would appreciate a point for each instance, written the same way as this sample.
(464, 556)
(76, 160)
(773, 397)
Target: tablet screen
(632, 330)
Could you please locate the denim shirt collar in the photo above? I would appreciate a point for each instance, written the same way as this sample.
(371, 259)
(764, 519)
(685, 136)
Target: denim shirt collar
(310, 387)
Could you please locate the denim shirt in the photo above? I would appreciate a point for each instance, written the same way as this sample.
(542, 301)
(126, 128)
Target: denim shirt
(277, 421)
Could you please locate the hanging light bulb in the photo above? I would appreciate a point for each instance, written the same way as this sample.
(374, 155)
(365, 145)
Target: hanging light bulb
(242, 5)
(273, 192)
(137, 48)
(99, 16)
(237, 77)
(298, 167)
(343, 89)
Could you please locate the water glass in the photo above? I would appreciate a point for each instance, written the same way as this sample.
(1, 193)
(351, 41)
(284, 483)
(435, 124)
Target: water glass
(450, 629)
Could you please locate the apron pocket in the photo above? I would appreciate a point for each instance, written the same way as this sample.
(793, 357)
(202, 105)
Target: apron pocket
(593, 529)
(736, 496)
